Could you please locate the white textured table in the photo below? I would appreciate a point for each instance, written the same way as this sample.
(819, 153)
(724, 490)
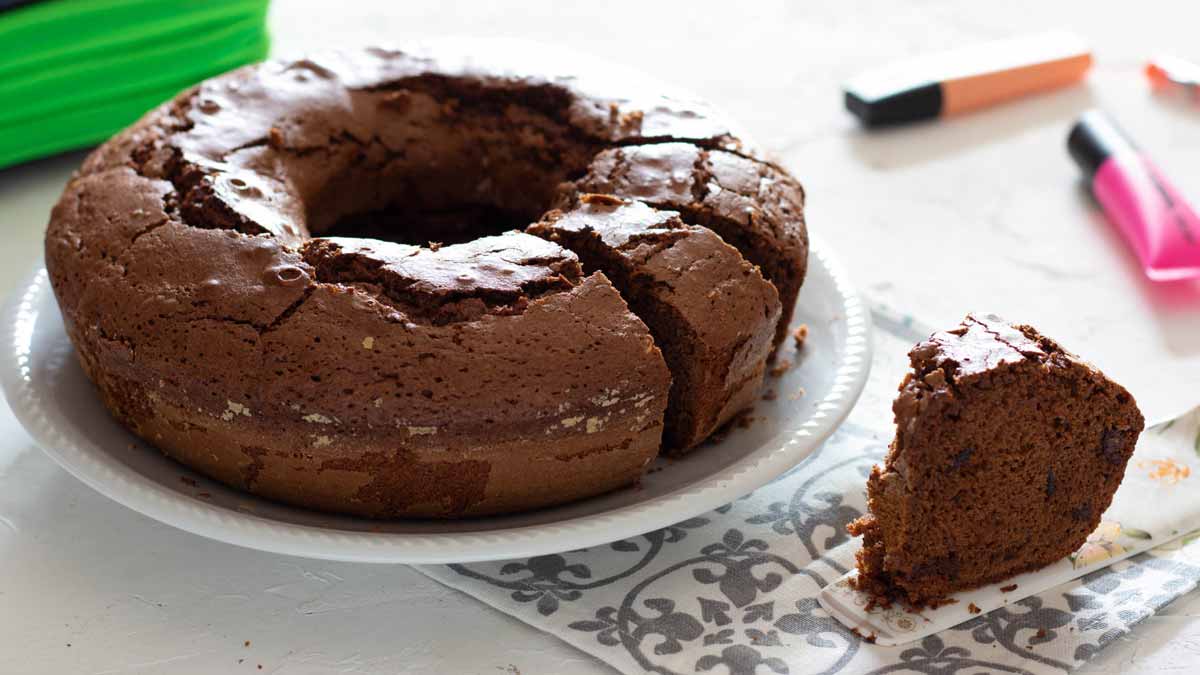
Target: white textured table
(982, 213)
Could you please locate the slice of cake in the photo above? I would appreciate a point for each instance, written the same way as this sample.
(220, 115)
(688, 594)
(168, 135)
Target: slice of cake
(1008, 449)
(710, 311)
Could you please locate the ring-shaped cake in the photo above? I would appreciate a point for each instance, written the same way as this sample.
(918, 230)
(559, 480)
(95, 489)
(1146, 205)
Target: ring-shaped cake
(427, 283)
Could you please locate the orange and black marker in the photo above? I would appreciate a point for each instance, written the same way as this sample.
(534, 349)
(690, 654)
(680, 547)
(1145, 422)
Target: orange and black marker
(967, 79)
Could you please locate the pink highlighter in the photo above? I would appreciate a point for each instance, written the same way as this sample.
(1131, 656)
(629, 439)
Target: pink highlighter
(1153, 217)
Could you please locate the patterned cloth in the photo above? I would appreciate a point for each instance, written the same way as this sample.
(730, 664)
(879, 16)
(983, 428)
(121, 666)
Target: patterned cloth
(734, 590)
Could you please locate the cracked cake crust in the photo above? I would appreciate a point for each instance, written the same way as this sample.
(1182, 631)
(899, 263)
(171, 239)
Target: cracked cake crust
(754, 206)
(190, 259)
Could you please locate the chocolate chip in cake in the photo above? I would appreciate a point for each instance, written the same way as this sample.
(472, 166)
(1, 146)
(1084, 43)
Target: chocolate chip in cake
(1082, 512)
(1113, 446)
(962, 458)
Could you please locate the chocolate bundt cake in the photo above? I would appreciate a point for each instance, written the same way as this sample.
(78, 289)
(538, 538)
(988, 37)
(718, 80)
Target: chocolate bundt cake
(1007, 451)
(309, 279)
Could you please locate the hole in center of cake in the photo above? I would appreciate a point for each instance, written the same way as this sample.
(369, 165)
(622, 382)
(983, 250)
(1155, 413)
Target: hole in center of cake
(419, 227)
(445, 164)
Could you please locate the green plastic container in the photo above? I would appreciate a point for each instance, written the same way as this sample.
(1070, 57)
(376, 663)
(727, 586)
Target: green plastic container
(73, 72)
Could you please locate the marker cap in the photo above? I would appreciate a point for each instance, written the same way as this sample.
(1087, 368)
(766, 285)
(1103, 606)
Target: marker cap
(918, 103)
(1095, 138)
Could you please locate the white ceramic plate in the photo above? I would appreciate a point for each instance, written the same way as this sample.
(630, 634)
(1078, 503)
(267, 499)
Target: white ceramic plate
(53, 398)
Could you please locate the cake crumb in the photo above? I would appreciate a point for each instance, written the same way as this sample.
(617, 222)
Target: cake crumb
(601, 199)
(869, 639)
(204, 495)
(435, 246)
(780, 368)
(973, 609)
(1008, 589)
(246, 643)
(190, 482)
(233, 409)
(799, 394)
(770, 395)
(632, 119)
(800, 335)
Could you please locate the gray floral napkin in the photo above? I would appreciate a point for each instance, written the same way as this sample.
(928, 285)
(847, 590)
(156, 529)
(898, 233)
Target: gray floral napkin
(735, 590)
